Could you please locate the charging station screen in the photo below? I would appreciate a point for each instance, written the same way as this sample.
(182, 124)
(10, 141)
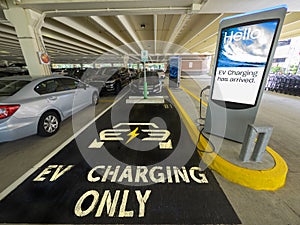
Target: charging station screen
(242, 58)
(174, 67)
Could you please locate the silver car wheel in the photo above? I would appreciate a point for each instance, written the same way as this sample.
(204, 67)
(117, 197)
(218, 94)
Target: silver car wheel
(51, 124)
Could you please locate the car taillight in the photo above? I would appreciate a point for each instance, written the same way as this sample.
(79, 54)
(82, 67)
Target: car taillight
(8, 110)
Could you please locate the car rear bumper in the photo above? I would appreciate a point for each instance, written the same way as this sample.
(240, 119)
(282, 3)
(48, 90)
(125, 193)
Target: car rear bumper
(14, 128)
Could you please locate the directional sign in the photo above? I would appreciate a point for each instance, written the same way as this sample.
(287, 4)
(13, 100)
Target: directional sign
(144, 55)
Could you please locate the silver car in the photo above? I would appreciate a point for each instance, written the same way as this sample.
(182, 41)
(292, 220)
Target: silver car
(37, 105)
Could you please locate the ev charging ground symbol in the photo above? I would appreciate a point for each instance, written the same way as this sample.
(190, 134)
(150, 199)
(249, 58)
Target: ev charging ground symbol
(154, 134)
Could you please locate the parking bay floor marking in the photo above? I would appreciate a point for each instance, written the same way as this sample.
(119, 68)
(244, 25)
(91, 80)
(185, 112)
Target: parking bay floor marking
(67, 195)
(15, 184)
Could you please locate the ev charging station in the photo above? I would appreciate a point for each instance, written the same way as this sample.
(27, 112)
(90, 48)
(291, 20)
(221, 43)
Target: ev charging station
(244, 54)
(175, 71)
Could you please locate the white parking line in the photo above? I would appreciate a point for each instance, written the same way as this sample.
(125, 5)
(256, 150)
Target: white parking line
(21, 179)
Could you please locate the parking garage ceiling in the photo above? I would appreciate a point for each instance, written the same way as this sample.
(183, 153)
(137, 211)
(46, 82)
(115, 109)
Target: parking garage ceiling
(79, 31)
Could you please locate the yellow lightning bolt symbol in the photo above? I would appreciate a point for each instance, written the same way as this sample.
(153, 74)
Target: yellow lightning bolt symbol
(132, 135)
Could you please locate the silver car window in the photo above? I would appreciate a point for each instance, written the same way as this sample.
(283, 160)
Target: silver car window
(56, 85)
(69, 84)
(10, 87)
(49, 86)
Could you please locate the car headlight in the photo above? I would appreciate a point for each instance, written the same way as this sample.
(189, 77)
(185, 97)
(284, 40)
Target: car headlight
(110, 82)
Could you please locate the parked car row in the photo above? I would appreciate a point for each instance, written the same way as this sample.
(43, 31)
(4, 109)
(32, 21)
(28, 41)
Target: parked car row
(38, 105)
(14, 69)
(287, 84)
(110, 80)
(107, 79)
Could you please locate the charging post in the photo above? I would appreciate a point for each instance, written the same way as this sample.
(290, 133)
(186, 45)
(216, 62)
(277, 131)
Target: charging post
(144, 58)
(244, 53)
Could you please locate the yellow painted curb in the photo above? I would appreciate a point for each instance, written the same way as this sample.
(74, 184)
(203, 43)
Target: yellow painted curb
(271, 179)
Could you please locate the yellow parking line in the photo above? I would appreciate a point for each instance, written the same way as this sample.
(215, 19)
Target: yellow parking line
(193, 95)
(271, 179)
(106, 100)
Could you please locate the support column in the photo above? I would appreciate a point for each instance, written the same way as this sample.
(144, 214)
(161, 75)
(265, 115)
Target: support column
(28, 25)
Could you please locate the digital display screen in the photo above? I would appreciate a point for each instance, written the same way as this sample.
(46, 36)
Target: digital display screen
(174, 67)
(242, 58)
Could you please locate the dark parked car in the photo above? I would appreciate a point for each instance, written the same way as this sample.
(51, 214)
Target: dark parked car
(107, 79)
(76, 73)
(133, 73)
(154, 84)
(14, 69)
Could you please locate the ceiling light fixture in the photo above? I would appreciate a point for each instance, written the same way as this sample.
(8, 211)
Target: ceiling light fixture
(143, 26)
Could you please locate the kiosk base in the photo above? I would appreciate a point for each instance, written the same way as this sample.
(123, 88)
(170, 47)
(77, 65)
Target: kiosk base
(228, 123)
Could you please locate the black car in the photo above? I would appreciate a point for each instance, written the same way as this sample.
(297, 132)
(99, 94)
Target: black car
(14, 69)
(107, 79)
(154, 84)
(133, 73)
(76, 73)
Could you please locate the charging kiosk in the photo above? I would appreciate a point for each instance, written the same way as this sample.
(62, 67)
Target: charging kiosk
(175, 71)
(244, 54)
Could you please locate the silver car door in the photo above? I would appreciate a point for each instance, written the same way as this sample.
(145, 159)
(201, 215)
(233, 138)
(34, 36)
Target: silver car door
(57, 96)
(83, 95)
(68, 94)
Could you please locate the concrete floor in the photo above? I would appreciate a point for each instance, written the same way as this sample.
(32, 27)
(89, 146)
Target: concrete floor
(253, 207)
(265, 207)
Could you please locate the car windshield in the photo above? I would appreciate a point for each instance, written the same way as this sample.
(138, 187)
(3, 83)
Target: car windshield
(10, 87)
(109, 70)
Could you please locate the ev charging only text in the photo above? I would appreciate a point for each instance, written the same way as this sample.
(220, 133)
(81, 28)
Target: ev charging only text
(114, 203)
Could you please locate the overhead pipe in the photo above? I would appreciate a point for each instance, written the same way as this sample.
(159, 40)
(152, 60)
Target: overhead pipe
(121, 11)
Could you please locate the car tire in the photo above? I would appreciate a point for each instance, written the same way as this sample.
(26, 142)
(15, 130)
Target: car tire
(48, 124)
(95, 98)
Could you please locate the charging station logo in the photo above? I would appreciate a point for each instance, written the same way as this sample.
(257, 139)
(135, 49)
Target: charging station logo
(141, 131)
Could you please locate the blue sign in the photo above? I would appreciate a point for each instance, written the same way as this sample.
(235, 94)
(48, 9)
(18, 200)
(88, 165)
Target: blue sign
(144, 55)
(174, 64)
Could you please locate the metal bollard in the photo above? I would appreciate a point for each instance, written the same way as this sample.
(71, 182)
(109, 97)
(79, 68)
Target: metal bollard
(252, 149)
